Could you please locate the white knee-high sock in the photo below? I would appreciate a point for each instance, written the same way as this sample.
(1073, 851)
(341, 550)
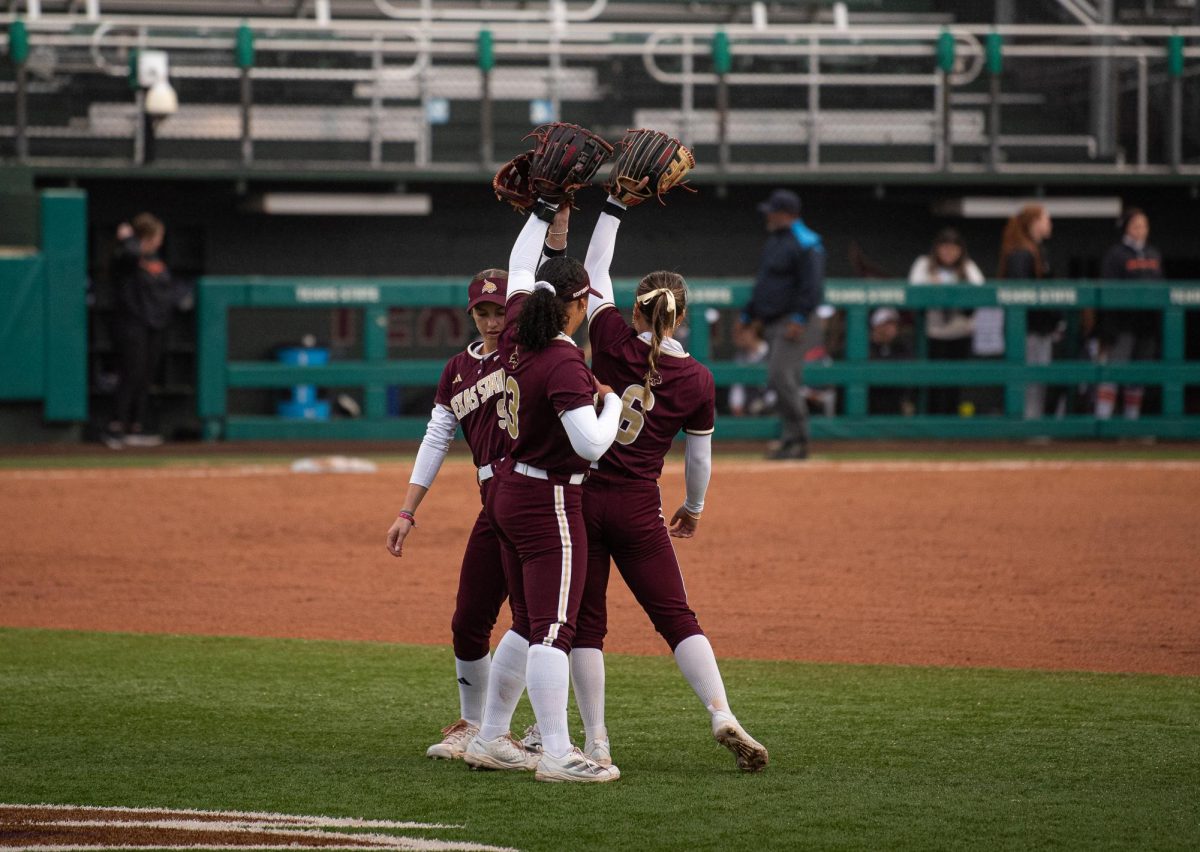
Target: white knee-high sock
(587, 679)
(548, 678)
(695, 658)
(472, 686)
(505, 685)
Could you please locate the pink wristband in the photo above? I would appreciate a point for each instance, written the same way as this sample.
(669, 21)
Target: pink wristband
(407, 515)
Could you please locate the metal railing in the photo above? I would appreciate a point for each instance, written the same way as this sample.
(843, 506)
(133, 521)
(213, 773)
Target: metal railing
(853, 376)
(781, 98)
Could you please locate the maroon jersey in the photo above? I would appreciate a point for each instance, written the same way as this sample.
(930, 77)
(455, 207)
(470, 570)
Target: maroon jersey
(538, 388)
(683, 396)
(472, 386)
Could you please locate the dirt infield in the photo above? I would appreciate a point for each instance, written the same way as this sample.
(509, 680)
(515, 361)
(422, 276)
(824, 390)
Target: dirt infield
(1011, 564)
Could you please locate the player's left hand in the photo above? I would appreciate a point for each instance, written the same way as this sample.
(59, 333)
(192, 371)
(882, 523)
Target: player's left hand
(683, 524)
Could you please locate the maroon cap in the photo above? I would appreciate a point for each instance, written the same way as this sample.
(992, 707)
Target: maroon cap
(581, 292)
(491, 285)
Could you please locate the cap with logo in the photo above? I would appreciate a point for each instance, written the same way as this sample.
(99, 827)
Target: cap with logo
(491, 285)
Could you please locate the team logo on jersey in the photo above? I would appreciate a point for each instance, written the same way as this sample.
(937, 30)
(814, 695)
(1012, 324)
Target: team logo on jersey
(489, 287)
(512, 360)
(457, 378)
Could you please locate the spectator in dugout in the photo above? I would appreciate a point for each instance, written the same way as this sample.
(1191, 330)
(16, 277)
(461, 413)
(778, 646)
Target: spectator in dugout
(1127, 335)
(888, 345)
(1023, 257)
(145, 301)
(948, 330)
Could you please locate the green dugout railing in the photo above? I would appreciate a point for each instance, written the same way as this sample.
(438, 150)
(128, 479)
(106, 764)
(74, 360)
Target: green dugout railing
(854, 375)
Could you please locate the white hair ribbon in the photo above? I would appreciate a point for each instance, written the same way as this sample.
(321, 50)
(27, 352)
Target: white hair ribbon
(545, 285)
(647, 298)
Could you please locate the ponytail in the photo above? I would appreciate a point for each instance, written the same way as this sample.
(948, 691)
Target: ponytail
(661, 300)
(542, 317)
(560, 280)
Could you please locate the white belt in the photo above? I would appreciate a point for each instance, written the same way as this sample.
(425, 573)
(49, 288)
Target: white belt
(537, 473)
(486, 473)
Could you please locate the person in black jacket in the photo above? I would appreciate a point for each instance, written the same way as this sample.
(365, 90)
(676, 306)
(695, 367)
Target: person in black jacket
(1128, 335)
(789, 287)
(145, 301)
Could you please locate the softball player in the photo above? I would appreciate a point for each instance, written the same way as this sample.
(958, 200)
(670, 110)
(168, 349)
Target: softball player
(535, 504)
(663, 390)
(469, 394)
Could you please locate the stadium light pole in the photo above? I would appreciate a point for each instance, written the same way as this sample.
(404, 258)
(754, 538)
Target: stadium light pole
(244, 56)
(486, 56)
(995, 67)
(722, 54)
(18, 54)
(1175, 74)
(945, 61)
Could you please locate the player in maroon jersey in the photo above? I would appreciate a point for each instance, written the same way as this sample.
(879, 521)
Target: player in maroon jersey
(469, 394)
(535, 504)
(663, 390)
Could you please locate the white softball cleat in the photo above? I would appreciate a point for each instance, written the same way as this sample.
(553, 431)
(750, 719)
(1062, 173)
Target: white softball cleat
(533, 738)
(501, 753)
(750, 754)
(574, 766)
(454, 741)
(600, 751)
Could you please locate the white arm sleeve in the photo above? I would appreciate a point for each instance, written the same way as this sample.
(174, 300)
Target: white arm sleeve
(526, 252)
(591, 436)
(434, 446)
(599, 259)
(697, 469)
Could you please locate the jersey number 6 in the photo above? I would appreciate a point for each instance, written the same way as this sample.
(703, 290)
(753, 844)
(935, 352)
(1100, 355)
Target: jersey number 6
(633, 419)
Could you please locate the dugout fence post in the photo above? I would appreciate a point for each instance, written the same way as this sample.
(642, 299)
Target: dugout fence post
(1014, 355)
(375, 335)
(858, 350)
(64, 246)
(1174, 321)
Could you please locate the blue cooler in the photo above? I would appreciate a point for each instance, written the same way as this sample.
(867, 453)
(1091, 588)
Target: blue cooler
(304, 404)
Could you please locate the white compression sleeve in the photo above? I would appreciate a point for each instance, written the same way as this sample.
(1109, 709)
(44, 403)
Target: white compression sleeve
(697, 469)
(434, 446)
(591, 436)
(599, 259)
(526, 252)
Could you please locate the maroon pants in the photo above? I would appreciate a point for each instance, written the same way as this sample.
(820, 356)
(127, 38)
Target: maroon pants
(481, 589)
(624, 521)
(540, 523)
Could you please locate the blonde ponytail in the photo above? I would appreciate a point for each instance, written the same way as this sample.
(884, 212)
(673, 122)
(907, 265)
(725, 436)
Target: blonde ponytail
(661, 300)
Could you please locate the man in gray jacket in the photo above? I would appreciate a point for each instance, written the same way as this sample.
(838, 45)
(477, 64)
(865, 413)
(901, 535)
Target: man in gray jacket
(783, 308)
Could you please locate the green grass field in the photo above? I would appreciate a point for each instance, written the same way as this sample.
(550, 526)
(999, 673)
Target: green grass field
(863, 757)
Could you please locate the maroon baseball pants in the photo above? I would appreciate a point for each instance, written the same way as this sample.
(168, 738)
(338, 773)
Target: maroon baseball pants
(481, 588)
(541, 524)
(624, 521)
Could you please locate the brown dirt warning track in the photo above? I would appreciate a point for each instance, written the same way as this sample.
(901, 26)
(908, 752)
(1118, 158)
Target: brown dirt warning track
(1057, 565)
